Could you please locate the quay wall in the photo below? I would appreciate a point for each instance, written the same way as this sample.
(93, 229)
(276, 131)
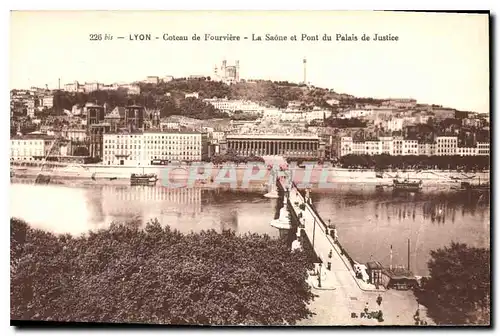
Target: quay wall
(314, 176)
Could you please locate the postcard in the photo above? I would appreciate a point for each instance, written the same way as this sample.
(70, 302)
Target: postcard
(250, 168)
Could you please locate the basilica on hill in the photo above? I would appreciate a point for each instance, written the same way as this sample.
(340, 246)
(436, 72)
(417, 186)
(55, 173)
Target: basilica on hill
(227, 73)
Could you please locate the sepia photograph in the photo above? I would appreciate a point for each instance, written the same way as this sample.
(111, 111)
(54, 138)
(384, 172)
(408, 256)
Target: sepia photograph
(250, 168)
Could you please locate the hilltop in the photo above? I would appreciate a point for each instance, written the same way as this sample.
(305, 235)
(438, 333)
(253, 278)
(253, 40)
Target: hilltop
(184, 96)
(169, 97)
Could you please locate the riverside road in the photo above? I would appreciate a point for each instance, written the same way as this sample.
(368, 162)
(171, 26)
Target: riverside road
(341, 293)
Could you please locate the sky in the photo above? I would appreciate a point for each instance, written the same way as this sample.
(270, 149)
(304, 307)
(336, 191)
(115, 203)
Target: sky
(439, 58)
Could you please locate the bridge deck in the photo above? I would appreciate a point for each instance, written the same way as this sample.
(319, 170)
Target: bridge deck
(341, 274)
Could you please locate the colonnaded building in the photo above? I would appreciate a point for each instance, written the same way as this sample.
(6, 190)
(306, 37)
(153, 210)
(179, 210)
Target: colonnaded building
(286, 145)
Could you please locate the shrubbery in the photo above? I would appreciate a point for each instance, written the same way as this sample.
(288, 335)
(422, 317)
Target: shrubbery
(458, 289)
(156, 275)
(386, 161)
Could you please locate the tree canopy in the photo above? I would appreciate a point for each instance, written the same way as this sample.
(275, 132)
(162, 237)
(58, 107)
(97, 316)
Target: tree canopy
(156, 275)
(344, 123)
(386, 161)
(231, 156)
(81, 151)
(458, 289)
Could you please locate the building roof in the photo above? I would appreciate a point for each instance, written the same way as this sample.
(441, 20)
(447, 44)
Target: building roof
(374, 265)
(172, 131)
(272, 136)
(101, 124)
(169, 131)
(93, 105)
(37, 136)
(117, 113)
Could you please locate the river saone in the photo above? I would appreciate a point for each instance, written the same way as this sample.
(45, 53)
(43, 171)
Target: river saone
(368, 221)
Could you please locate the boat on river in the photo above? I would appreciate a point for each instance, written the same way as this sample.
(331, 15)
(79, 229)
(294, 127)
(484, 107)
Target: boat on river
(143, 179)
(406, 185)
(474, 188)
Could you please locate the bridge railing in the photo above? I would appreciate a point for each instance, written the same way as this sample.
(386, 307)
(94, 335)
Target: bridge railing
(312, 209)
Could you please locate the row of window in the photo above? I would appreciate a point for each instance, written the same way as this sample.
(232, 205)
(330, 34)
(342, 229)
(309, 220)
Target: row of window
(152, 137)
(446, 140)
(149, 153)
(138, 147)
(26, 142)
(134, 159)
(24, 159)
(181, 142)
(26, 153)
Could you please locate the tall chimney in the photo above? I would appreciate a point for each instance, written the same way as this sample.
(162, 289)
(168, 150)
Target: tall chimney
(305, 70)
(408, 254)
(59, 83)
(237, 71)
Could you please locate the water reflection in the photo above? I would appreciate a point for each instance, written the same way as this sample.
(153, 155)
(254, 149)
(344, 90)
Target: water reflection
(437, 207)
(187, 209)
(369, 221)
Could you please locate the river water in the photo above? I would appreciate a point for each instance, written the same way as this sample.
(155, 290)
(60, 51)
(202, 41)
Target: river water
(368, 221)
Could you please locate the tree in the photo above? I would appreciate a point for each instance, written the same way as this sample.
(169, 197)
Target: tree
(458, 289)
(81, 151)
(157, 275)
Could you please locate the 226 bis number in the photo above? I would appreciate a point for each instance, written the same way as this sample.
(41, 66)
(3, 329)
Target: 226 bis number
(95, 37)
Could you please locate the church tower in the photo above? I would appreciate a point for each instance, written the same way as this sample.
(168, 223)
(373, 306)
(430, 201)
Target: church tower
(223, 69)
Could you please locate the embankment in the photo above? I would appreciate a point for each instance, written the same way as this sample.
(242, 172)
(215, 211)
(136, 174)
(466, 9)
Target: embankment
(242, 174)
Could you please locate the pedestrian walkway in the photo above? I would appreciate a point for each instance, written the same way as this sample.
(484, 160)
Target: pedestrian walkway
(341, 273)
(342, 297)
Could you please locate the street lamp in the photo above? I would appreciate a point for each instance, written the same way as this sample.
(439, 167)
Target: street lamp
(314, 232)
(319, 275)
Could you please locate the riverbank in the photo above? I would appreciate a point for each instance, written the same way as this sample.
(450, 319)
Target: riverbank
(369, 221)
(244, 174)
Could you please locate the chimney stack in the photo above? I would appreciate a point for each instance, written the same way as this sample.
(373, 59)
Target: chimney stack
(305, 70)
(237, 71)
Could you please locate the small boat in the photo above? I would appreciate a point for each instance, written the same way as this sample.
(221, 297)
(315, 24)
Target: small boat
(42, 179)
(143, 179)
(407, 185)
(480, 187)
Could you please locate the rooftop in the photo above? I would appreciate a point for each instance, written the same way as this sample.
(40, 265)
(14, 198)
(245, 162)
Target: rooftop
(169, 131)
(37, 136)
(272, 136)
(117, 113)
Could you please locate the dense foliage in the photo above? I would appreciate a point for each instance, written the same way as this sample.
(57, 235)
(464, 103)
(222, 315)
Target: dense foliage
(170, 96)
(231, 157)
(81, 151)
(343, 123)
(385, 161)
(156, 275)
(458, 289)
(167, 105)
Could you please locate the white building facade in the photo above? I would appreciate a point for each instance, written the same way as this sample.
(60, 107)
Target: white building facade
(48, 101)
(231, 106)
(141, 148)
(446, 145)
(29, 148)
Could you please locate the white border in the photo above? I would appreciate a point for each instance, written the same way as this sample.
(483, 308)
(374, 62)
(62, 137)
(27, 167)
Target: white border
(199, 5)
